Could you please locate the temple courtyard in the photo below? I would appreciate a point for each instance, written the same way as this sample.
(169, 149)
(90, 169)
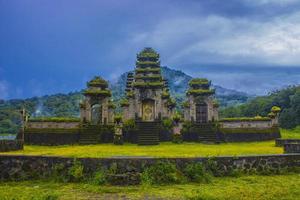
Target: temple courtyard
(164, 149)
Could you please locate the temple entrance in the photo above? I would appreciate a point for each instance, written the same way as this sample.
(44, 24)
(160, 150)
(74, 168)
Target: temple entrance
(96, 114)
(201, 113)
(148, 110)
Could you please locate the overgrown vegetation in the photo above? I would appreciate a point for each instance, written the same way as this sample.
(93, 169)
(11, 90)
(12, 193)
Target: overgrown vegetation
(162, 173)
(287, 99)
(246, 187)
(164, 149)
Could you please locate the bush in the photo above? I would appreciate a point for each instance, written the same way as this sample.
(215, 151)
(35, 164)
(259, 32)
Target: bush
(129, 125)
(196, 172)
(162, 173)
(75, 172)
(99, 177)
(177, 138)
(167, 124)
(59, 173)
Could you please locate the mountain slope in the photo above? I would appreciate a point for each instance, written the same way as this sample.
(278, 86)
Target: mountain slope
(68, 104)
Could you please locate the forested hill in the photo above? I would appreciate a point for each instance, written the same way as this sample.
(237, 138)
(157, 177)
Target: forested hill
(68, 104)
(288, 99)
(178, 83)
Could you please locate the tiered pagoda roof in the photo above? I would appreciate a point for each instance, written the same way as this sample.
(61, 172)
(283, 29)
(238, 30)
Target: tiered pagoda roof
(148, 71)
(97, 87)
(147, 75)
(200, 86)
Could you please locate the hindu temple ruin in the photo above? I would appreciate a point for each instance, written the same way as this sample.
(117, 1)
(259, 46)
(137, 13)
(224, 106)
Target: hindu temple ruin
(144, 111)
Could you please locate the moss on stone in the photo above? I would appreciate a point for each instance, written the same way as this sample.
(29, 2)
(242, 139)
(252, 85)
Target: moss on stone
(200, 92)
(97, 81)
(54, 119)
(98, 92)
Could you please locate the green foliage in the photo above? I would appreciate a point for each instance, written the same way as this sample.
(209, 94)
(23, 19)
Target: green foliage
(118, 118)
(54, 119)
(162, 173)
(171, 102)
(97, 81)
(165, 94)
(99, 177)
(197, 92)
(199, 82)
(242, 119)
(176, 117)
(249, 130)
(196, 172)
(129, 125)
(185, 104)
(275, 109)
(286, 100)
(75, 172)
(111, 105)
(124, 102)
(167, 123)
(148, 84)
(177, 138)
(98, 92)
(130, 94)
(147, 70)
(149, 77)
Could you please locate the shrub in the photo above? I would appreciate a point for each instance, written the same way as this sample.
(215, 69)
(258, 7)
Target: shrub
(162, 173)
(177, 138)
(75, 172)
(167, 124)
(59, 173)
(118, 118)
(129, 125)
(99, 177)
(196, 172)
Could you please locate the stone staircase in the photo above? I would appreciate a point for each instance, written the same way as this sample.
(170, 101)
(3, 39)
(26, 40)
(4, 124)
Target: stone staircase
(89, 135)
(206, 133)
(148, 133)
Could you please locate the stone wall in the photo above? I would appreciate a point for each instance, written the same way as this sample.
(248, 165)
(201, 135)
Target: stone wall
(51, 136)
(246, 124)
(291, 148)
(281, 142)
(11, 145)
(248, 134)
(65, 125)
(17, 167)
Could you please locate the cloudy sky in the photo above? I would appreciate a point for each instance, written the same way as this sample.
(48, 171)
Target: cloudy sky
(55, 46)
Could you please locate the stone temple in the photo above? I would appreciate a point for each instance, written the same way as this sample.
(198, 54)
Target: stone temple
(147, 114)
(147, 93)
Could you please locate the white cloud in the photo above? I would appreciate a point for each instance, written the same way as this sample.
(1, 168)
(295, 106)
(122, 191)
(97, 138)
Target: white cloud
(217, 39)
(275, 2)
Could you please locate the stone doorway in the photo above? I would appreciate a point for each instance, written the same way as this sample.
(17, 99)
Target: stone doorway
(148, 112)
(96, 114)
(201, 113)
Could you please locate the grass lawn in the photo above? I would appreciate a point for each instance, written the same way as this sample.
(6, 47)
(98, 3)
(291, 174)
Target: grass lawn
(291, 134)
(243, 188)
(165, 149)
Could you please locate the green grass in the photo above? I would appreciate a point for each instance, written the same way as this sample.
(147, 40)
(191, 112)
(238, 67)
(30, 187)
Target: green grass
(165, 149)
(245, 188)
(291, 134)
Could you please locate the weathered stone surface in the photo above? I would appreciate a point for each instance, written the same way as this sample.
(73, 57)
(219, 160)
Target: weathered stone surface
(292, 148)
(281, 142)
(128, 169)
(10, 145)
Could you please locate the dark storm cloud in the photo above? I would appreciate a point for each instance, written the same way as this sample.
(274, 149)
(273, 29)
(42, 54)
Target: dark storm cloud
(56, 46)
